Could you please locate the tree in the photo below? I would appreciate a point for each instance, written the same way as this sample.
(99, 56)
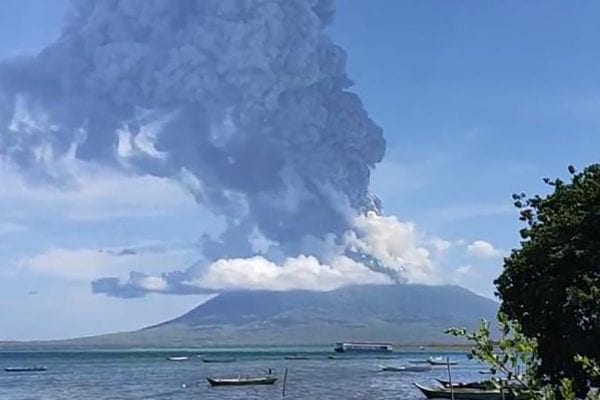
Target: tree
(551, 284)
(513, 360)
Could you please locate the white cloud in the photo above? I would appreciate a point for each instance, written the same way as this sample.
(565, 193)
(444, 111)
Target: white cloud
(91, 193)
(86, 264)
(462, 272)
(483, 249)
(440, 245)
(395, 244)
(302, 272)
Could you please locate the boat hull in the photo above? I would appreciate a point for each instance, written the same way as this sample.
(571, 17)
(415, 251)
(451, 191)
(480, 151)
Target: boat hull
(464, 393)
(241, 382)
(223, 360)
(25, 369)
(406, 369)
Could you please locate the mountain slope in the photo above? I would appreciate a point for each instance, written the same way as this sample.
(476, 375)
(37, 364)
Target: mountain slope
(402, 314)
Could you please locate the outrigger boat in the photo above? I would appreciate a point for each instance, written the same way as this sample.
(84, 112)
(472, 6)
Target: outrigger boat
(440, 361)
(406, 368)
(487, 384)
(295, 357)
(177, 358)
(458, 393)
(418, 361)
(242, 381)
(218, 360)
(469, 385)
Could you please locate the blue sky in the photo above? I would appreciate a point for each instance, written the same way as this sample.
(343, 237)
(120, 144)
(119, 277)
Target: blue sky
(477, 100)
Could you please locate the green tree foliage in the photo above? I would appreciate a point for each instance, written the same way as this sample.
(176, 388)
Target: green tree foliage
(513, 361)
(551, 284)
(513, 358)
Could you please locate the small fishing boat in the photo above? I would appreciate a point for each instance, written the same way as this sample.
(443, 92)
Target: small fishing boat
(218, 360)
(35, 368)
(296, 357)
(441, 361)
(465, 393)
(486, 384)
(418, 361)
(177, 358)
(471, 385)
(242, 381)
(406, 368)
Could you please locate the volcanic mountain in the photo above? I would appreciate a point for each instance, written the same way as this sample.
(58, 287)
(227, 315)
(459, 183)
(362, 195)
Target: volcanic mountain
(402, 314)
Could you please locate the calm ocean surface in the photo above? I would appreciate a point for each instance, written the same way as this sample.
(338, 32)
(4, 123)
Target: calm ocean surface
(148, 375)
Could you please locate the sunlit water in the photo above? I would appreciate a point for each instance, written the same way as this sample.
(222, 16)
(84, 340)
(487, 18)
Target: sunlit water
(148, 375)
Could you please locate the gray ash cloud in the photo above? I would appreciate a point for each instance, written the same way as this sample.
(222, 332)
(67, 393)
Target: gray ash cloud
(246, 102)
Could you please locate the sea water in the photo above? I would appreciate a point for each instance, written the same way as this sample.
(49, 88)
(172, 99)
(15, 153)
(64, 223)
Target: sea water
(147, 374)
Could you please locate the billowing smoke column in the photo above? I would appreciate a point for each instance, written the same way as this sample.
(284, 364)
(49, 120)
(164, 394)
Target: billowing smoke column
(243, 101)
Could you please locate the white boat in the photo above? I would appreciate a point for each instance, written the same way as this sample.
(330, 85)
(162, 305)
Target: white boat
(441, 361)
(405, 368)
(177, 358)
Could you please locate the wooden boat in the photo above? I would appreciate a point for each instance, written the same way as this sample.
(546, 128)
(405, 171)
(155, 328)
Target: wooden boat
(296, 357)
(465, 393)
(406, 368)
(242, 381)
(440, 361)
(177, 358)
(35, 368)
(471, 385)
(339, 358)
(218, 360)
(486, 384)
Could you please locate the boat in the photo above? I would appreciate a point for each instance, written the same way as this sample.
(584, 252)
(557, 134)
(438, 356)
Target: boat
(486, 384)
(296, 357)
(242, 381)
(363, 347)
(338, 358)
(471, 385)
(418, 361)
(465, 393)
(35, 368)
(177, 358)
(441, 361)
(406, 368)
(218, 360)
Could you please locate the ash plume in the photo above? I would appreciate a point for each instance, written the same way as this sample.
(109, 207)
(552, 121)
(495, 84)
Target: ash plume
(246, 102)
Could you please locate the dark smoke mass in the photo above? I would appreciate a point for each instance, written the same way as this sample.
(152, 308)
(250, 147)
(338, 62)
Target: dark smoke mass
(245, 102)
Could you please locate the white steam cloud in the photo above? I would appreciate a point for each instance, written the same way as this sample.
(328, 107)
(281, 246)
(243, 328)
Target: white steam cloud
(246, 103)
